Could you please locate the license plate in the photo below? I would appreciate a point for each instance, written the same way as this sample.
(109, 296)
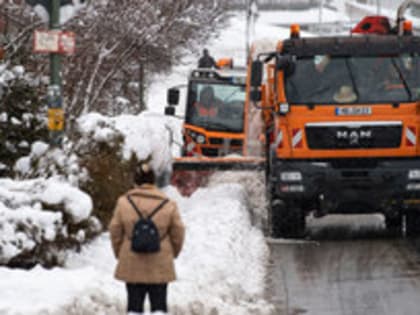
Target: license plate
(353, 111)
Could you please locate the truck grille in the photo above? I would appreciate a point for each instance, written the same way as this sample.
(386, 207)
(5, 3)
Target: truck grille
(354, 136)
(354, 163)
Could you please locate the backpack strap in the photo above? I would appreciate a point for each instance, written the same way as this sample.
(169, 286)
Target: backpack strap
(160, 206)
(156, 210)
(135, 207)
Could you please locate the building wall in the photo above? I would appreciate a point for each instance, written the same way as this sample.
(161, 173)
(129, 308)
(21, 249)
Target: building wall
(277, 4)
(389, 4)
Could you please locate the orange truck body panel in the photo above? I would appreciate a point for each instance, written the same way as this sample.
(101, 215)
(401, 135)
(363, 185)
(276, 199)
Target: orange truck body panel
(299, 116)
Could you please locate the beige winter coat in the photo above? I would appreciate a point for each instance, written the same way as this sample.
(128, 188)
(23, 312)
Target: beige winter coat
(146, 268)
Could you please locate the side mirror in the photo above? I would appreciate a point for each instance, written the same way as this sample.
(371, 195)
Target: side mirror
(256, 73)
(170, 111)
(256, 80)
(173, 97)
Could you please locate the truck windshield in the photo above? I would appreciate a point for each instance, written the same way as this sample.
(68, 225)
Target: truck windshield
(340, 80)
(216, 106)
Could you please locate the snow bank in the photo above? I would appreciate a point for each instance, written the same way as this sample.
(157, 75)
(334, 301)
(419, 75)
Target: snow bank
(253, 182)
(221, 269)
(35, 215)
(56, 291)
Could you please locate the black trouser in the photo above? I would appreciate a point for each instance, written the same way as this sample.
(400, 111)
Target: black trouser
(137, 294)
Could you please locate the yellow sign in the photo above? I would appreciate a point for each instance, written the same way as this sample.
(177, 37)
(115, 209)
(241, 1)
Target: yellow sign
(55, 119)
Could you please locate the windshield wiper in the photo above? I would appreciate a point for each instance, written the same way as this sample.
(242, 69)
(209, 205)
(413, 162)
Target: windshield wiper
(218, 125)
(226, 99)
(404, 81)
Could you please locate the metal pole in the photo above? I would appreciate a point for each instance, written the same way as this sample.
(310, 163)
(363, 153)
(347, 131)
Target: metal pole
(321, 5)
(378, 3)
(55, 108)
(247, 29)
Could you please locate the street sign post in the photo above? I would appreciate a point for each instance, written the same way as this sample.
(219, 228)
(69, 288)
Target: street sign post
(56, 136)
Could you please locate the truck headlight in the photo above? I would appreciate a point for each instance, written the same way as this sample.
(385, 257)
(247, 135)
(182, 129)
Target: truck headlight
(284, 108)
(291, 176)
(414, 174)
(415, 186)
(201, 139)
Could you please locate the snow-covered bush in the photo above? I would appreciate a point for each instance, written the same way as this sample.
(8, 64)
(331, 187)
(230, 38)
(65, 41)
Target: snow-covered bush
(22, 116)
(40, 218)
(109, 148)
(45, 161)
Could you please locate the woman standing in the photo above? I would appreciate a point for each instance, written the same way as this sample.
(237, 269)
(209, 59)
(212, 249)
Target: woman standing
(146, 273)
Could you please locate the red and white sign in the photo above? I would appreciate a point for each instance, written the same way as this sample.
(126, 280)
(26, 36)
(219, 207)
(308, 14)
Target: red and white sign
(297, 138)
(54, 42)
(410, 135)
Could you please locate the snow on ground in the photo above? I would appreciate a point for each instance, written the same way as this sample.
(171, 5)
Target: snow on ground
(220, 270)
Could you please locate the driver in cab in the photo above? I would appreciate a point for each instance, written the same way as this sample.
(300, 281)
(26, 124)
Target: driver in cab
(207, 105)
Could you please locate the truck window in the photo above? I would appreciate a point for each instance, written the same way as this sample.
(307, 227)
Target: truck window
(335, 80)
(216, 106)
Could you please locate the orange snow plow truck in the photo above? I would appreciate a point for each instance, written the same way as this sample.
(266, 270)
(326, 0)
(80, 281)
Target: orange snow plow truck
(342, 125)
(214, 127)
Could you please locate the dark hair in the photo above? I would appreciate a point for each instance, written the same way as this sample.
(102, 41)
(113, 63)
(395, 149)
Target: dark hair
(144, 174)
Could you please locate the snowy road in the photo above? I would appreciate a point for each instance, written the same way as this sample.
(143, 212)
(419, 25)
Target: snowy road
(368, 273)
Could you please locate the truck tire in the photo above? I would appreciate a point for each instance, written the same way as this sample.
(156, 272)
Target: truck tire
(286, 220)
(412, 223)
(393, 223)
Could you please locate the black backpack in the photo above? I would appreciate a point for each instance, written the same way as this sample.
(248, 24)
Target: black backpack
(145, 237)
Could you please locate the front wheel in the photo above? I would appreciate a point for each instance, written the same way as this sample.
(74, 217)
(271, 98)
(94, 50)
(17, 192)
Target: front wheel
(412, 223)
(393, 223)
(287, 220)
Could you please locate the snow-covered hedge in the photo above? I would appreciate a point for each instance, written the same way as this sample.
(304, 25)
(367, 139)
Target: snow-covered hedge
(22, 115)
(39, 218)
(44, 161)
(142, 136)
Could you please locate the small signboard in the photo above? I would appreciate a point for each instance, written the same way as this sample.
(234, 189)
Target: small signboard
(55, 119)
(46, 41)
(54, 41)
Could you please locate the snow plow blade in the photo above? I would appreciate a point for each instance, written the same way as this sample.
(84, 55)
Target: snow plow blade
(189, 173)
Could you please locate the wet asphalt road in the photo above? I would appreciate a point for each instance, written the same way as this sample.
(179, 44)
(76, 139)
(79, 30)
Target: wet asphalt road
(348, 266)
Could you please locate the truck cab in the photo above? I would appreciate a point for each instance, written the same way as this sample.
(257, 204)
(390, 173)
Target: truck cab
(214, 113)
